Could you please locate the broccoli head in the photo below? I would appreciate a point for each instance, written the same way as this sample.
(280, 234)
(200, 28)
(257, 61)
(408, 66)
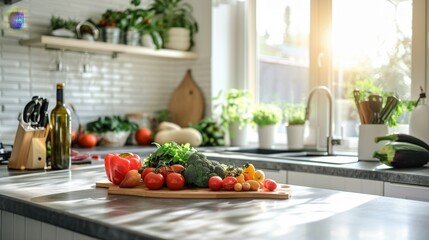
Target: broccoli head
(200, 170)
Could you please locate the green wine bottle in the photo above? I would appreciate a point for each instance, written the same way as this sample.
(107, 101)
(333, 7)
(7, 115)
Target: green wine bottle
(60, 133)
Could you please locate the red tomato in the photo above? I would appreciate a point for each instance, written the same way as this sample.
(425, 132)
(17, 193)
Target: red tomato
(87, 140)
(229, 182)
(154, 181)
(143, 136)
(215, 183)
(177, 168)
(165, 171)
(270, 184)
(146, 171)
(175, 181)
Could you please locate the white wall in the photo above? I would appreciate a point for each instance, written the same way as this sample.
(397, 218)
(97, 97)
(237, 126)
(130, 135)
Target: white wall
(118, 86)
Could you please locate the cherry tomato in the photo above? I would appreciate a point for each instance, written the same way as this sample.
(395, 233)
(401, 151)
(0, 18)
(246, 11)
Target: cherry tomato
(177, 168)
(215, 183)
(270, 184)
(175, 181)
(229, 182)
(154, 181)
(146, 171)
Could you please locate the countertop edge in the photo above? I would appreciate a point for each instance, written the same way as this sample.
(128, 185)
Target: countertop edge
(67, 220)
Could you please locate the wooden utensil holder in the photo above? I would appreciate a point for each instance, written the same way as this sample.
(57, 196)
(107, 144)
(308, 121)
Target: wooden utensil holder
(29, 149)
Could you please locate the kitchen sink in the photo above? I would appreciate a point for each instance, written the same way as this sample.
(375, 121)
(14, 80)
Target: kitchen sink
(336, 159)
(265, 151)
(307, 155)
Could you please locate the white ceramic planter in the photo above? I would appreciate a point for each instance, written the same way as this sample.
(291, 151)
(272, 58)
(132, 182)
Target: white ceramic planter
(238, 135)
(366, 144)
(266, 136)
(295, 136)
(178, 39)
(147, 40)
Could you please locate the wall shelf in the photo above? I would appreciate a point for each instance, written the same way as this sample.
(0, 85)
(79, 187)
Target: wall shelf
(51, 42)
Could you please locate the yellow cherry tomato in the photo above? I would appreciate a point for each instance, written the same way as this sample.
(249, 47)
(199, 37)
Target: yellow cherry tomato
(240, 178)
(259, 176)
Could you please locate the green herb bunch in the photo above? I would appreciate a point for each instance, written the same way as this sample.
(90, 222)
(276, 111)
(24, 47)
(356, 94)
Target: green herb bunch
(237, 107)
(168, 154)
(295, 113)
(58, 23)
(266, 114)
(111, 124)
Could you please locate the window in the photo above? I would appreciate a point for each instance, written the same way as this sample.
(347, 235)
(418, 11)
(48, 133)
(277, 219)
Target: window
(305, 43)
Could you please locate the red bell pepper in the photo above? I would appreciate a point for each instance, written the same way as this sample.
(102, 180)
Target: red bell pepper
(107, 164)
(135, 161)
(119, 166)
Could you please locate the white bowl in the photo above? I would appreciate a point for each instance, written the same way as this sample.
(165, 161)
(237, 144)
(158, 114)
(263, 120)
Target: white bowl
(112, 139)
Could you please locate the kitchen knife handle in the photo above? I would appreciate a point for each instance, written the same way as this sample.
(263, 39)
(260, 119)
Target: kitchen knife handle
(44, 113)
(28, 111)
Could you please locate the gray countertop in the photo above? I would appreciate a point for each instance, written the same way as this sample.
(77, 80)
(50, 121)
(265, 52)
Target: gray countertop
(69, 199)
(361, 169)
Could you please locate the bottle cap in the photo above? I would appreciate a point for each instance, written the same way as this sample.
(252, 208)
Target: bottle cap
(60, 85)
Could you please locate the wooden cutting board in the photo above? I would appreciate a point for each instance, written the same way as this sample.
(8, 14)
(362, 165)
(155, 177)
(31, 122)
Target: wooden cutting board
(187, 102)
(282, 192)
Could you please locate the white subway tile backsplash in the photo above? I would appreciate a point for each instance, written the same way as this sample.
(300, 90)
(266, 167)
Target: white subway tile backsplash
(115, 86)
(9, 86)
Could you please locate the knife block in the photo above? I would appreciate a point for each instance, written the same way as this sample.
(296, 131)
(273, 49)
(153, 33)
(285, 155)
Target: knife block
(29, 149)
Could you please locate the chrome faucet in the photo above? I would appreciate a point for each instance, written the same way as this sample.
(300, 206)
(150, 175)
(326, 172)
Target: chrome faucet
(330, 140)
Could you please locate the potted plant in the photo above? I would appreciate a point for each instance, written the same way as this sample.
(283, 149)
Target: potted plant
(111, 131)
(266, 117)
(236, 115)
(109, 25)
(63, 28)
(295, 117)
(178, 25)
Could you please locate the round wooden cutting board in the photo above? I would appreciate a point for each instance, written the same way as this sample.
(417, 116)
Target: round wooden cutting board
(187, 102)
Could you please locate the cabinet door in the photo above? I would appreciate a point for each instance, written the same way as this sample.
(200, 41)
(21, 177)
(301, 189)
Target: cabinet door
(336, 183)
(279, 176)
(406, 191)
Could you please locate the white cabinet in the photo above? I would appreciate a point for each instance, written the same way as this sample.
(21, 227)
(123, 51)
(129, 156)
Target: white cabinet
(279, 176)
(412, 192)
(17, 227)
(335, 183)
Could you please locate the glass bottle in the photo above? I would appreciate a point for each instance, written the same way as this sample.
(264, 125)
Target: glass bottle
(419, 119)
(60, 133)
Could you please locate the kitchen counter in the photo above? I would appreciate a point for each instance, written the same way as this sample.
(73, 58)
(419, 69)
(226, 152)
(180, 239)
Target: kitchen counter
(361, 169)
(69, 199)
